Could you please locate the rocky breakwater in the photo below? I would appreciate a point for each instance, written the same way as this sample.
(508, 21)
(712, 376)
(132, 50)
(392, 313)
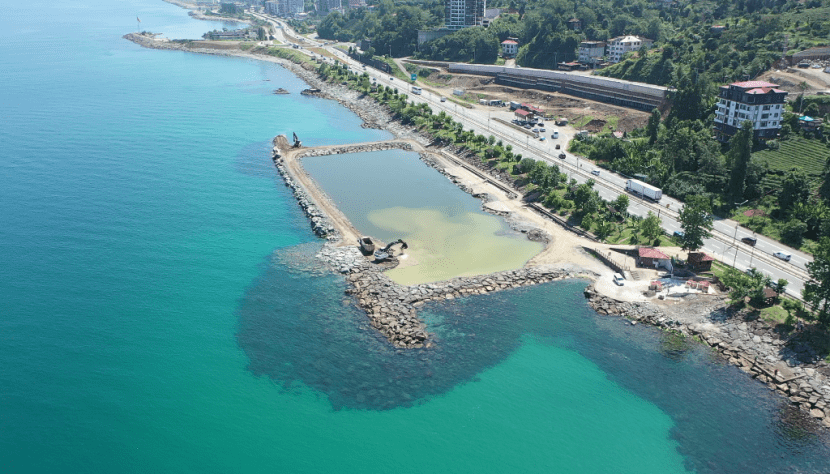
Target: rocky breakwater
(357, 148)
(320, 223)
(392, 308)
(782, 363)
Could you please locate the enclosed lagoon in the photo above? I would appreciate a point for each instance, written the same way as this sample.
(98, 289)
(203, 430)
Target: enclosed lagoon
(392, 194)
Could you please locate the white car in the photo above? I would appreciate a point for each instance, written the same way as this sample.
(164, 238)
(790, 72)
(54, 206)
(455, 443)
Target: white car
(443, 99)
(619, 280)
(783, 256)
(556, 134)
(595, 172)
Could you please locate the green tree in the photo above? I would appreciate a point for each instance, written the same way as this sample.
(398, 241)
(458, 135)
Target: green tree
(817, 289)
(651, 227)
(621, 204)
(653, 126)
(792, 232)
(696, 221)
(604, 229)
(795, 189)
(740, 150)
(742, 285)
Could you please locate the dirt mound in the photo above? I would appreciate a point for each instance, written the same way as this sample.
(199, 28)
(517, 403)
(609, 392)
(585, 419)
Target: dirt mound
(595, 125)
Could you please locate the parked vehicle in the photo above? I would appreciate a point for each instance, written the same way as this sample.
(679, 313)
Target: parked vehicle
(542, 138)
(555, 134)
(679, 234)
(750, 241)
(619, 280)
(542, 129)
(514, 105)
(643, 189)
(783, 256)
(557, 146)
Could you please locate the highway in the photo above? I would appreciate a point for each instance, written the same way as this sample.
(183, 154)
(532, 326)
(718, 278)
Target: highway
(725, 243)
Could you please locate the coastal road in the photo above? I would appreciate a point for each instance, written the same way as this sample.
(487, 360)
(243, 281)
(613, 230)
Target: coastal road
(725, 243)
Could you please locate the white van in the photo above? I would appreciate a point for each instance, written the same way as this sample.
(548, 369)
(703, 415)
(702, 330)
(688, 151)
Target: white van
(555, 134)
(416, 90)
(619, 280)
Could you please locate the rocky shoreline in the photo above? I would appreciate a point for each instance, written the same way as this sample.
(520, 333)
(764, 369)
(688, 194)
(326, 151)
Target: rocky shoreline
(751, 345)
(783, 364)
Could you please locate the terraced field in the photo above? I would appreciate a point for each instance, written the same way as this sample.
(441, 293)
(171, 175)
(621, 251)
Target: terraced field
(810, 155)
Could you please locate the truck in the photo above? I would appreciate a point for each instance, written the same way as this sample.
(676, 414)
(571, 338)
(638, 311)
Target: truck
(416, 90)
(514, 105)
(643, 189)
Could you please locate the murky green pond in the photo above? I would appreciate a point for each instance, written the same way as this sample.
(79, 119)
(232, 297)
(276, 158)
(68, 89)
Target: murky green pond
(392, 195)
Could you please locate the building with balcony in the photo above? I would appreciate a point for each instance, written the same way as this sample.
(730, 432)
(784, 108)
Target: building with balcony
(620, 45)
(509, 48)
(757, 101)
(460, 14)
(591, 52)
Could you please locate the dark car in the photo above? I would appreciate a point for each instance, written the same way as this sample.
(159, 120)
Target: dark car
(750, 241)
(562, 156)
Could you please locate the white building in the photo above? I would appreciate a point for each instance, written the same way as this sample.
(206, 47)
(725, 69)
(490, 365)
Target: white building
(272, 8)
(620, 45)
(292, 7)
(757, 101)
(509, 48)
(460, 14)
(328, 5)
(591, 52)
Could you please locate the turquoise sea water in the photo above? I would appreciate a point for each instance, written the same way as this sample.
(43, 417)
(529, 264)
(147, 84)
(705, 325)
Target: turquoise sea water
(156, 314)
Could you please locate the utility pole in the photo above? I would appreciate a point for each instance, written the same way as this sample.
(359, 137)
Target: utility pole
(734, 237)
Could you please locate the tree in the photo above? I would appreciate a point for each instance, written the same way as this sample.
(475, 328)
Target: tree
(794, 189)
(742, 284)
(781, 285)
(653, 126)
(817, 290)
(696, 221)
(651, 227)
(621, 204)
(792, 233)
(740, 150)
(604, 229)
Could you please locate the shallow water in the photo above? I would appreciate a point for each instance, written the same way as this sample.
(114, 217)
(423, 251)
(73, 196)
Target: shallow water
(160, 312)
(392, 194)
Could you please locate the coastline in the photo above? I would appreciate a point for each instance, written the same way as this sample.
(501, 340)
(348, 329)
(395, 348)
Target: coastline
(752, 346)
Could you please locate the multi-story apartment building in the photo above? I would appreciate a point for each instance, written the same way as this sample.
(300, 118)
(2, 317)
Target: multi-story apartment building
(623, 44)
(291, 7)
(757, 101)
(328, 5)
(591, 52)
(460, 14)
(271, 8)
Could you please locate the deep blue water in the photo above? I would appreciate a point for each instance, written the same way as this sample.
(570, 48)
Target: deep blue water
(158, 314)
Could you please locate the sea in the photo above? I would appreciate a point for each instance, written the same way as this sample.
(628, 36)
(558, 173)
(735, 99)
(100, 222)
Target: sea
(161, 309)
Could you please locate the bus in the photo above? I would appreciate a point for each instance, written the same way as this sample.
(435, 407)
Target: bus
(416, 90)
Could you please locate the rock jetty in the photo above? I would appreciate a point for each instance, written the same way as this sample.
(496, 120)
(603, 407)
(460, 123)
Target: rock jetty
(782, 363)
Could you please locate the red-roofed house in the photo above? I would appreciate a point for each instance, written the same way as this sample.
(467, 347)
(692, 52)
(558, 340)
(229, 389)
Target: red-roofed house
(522, 115)
(653, 258)
(700, 262)
(760, 102)
(509, 48)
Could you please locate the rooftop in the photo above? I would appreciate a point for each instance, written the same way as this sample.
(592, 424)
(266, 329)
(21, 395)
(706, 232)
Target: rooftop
(509, 42)
(651, 252)
(754, 84)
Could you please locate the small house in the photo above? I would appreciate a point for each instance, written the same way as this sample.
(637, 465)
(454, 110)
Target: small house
(770, 295)
(575, 24)
(509, 48)
(652, 258)
(700, 262)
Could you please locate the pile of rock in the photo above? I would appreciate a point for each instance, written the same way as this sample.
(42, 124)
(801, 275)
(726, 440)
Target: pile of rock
(752, 346)
(392, 308)
(342, 150)
(320, 223)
